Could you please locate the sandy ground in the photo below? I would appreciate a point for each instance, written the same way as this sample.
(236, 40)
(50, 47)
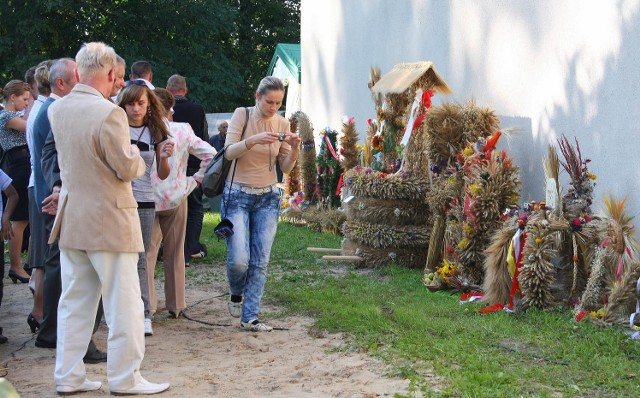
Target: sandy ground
(201, 360)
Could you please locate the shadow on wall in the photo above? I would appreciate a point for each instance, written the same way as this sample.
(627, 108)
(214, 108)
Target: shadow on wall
(527, 154)
(607, 124)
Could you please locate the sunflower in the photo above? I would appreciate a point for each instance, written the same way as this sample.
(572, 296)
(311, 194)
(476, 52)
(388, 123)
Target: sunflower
(377, 142)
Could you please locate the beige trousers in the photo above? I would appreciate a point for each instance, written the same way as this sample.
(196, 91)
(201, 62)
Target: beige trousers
(169, 228)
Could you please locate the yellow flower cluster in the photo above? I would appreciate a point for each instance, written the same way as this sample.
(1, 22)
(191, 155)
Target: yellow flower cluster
(447, 269)
(468, 151)
(474, 189)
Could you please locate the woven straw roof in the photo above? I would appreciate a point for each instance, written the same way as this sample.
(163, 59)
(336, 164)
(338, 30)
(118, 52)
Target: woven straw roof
(402, 76)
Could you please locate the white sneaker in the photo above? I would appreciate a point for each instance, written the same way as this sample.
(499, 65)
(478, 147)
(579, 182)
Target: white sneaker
(148, 329)
(235, 309)
(87, 385)
(143, 387)
(255, 326)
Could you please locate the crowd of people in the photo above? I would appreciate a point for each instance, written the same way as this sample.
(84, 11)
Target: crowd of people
(106, 173)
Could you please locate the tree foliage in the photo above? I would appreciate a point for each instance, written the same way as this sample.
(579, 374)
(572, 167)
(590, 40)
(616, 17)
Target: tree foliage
(222, 47)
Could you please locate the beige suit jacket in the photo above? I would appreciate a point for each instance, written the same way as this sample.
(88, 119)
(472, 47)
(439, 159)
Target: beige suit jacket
(96, 207)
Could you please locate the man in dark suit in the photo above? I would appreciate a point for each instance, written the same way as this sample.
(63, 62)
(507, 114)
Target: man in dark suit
(62, 78)
(192, 113)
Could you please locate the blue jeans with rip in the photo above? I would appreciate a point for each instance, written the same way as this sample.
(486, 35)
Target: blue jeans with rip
(255, 221)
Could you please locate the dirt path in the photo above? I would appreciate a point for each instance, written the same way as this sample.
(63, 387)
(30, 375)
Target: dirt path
(201, 360)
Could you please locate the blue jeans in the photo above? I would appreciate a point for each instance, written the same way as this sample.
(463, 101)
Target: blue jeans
(255, 221)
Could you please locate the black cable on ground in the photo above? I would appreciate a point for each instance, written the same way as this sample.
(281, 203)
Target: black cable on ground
(186, 316)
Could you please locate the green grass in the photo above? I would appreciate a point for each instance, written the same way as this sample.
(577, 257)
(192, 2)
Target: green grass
(444, 348)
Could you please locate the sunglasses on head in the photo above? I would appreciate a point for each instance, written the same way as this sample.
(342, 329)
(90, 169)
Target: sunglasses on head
(137, 82)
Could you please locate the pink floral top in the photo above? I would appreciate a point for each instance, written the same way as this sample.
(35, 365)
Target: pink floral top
(170, 192)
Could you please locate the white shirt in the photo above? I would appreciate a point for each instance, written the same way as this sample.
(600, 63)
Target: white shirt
(35, 109)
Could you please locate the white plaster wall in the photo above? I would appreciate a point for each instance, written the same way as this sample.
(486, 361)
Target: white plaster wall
(548, 67)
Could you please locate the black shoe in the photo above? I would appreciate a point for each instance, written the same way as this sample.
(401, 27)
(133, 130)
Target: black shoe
(27, 268)
(95, 356)
(45, 344)
(15, 277)
(2, 338)
(34, 325)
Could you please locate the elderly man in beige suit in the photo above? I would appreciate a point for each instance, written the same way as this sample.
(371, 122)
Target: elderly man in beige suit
(98, 230)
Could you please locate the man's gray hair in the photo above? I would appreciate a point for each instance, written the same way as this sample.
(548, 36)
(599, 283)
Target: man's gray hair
(95, 57)
(61, 69)
(176, 83)
(120, 60)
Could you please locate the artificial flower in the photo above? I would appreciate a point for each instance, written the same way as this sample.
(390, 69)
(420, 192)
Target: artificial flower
(468, 151)
(377, 143)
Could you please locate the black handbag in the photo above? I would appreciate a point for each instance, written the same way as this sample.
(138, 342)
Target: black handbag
(218, 169)
(215, 174)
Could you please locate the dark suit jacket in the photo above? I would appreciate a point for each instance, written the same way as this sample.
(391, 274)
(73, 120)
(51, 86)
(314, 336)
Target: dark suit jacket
(41, 129)
(192, 113)
(49, 163)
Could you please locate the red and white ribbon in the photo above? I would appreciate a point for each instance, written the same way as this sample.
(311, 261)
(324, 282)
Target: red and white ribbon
(333, 151)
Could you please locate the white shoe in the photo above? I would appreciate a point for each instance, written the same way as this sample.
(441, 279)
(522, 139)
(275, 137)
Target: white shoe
(88, 385)
(235, 309)
(255, 326)
(148, 329)
(144, 387)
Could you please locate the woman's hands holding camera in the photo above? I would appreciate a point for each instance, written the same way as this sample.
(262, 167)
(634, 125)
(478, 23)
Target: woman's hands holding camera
(269, 137)
(292, 139)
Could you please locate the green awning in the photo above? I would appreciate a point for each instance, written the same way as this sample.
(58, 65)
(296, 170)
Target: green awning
(290, 55)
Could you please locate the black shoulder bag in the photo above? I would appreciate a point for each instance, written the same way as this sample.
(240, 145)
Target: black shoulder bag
(218, 169)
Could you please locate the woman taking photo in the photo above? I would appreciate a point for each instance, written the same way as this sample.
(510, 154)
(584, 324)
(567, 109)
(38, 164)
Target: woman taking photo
(16, 163)
(252, 201)
(149, 134)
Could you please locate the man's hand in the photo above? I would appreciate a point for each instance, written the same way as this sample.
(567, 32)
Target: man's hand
(50, 203)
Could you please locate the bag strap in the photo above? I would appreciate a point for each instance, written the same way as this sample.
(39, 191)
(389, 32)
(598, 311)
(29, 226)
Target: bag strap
(246, 121)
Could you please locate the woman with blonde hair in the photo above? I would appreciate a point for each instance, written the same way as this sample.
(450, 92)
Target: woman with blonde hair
(149, 134)
(16, 163)
(256, 139)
